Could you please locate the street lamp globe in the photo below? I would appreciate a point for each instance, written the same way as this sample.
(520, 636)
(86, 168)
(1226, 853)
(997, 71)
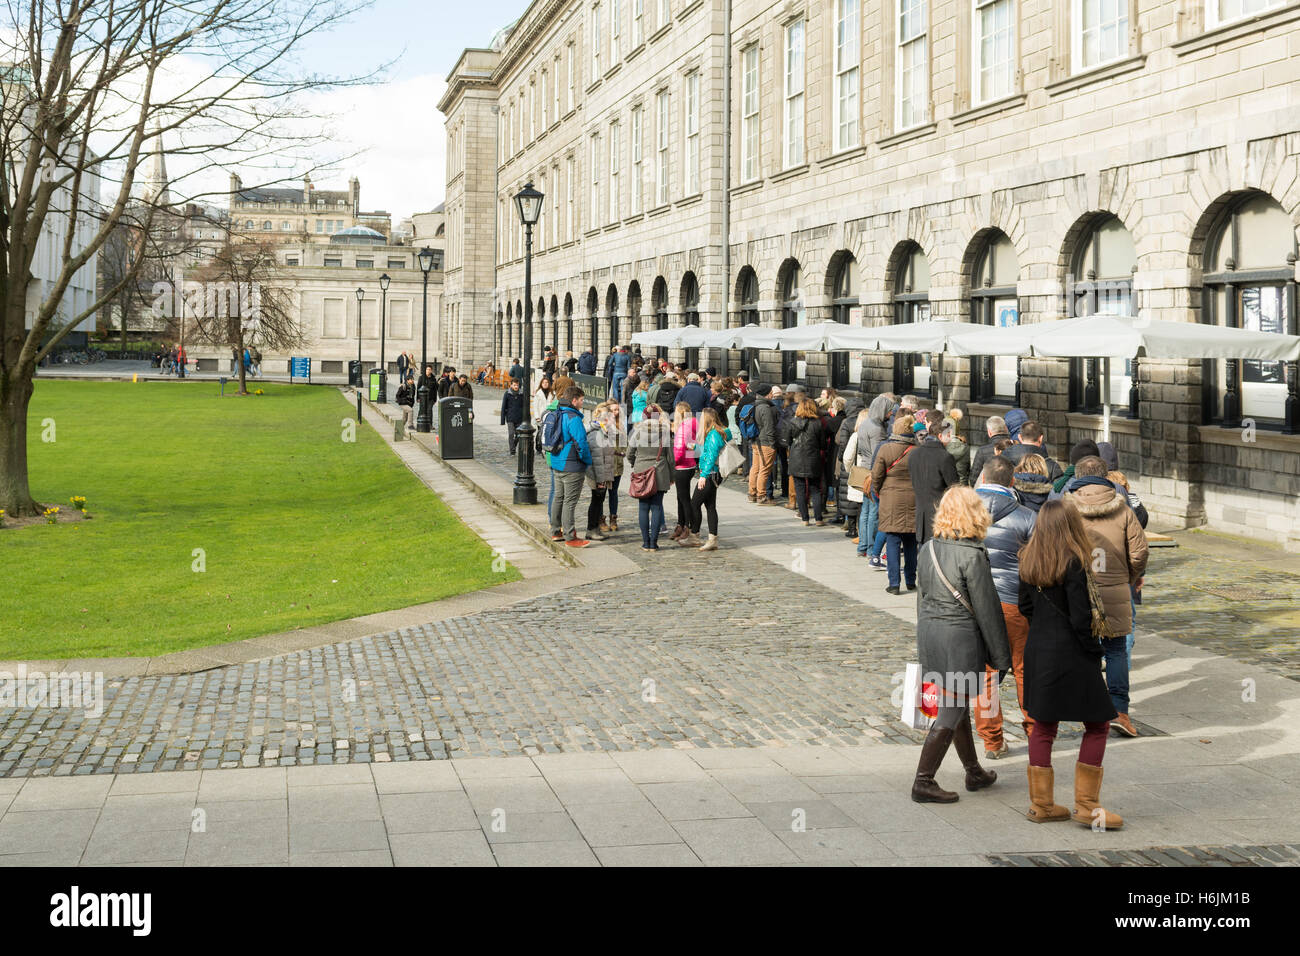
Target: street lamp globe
(426, 260)
(383, 282)
(529, 203)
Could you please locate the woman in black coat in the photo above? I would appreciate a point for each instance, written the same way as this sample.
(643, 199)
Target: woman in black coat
(1063, 678)
(804, 437)
(959, 631)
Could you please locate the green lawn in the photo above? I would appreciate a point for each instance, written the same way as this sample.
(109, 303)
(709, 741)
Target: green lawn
(297, 526)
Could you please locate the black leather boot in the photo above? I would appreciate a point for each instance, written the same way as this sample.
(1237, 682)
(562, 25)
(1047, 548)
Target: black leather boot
(924, 788)
(963, 741)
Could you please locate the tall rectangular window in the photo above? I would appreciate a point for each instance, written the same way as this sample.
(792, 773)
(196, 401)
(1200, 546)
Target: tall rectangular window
(794, 80)
(546, 103)
(692, 125)
(555, 205)
(558, 111)
(593, 199)
(615, 27)
(638, 160)
(665, 12)
(569, 185)
(532, 112)
(661, 152)
(846, 74)
(912, 70)
(572, 79)
(1100, 32)
(615, 195)
(638, 23)
(994, 38)
(595, 43)
(523, 119)
(510, 130)
(749, 114)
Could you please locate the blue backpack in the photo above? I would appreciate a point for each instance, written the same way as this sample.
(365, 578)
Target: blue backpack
(553, 439)
(748, 427)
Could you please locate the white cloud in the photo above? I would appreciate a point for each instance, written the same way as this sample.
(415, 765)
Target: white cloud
(397, 124)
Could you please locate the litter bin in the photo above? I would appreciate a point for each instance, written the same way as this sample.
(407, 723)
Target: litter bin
(453, 428)
(376, 383)
(354, 373)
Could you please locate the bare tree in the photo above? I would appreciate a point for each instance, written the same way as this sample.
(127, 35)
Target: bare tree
(242, 300)
(86, 89)
(134, 258)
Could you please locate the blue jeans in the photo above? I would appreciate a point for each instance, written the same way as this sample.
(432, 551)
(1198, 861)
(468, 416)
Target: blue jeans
(1115, 650)
(908, 543)
(651, 519)
(868, 519)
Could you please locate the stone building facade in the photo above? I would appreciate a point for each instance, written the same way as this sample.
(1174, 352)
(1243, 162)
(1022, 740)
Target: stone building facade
(875, 161)
(299, 214)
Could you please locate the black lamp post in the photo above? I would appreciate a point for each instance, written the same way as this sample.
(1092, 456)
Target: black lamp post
(424, 418)
(361, 294)
(529, 203)
(383, 321)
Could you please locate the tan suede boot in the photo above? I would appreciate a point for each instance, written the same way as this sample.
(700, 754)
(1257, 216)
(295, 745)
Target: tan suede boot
(1042, 806)
(1087, 793)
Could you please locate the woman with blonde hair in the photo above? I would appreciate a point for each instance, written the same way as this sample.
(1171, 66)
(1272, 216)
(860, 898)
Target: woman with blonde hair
(1033, 481)
(804, 437)
(649, 449)
(713, 437)
(686, 430)
(960, 630)
(1063, 678)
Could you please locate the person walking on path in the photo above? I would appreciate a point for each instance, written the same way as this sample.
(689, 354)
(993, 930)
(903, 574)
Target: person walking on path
(1063, 679)
(570, 463)
(933, 472)
(650, 448)
(1120, 551)
(960, 631)
(512, 412)
(704, 495)
(764, 445)
(686, 430)
(1010, 531)
(893, 483)
(406, 399)
(803, 435)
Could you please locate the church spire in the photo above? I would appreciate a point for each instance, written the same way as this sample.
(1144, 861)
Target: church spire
(154, 186)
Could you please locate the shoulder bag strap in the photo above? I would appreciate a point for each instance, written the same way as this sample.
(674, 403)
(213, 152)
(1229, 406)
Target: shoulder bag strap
(961, 598)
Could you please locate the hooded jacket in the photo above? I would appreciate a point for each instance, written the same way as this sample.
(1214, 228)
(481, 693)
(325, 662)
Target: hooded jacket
(576, 453)
(1033, 490)
(873, 432)
(1013, 523)
(587, 363)
(1113, 528)
(893, 483)
(512, 407)
(765, 416)
(804, 436)
(1015, 419)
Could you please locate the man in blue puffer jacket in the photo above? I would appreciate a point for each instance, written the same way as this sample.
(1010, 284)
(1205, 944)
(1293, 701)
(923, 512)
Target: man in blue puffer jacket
(619, 364)
(570, 464)
(1013, 523)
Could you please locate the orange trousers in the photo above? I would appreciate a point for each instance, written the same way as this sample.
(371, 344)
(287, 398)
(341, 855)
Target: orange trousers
(988, 710)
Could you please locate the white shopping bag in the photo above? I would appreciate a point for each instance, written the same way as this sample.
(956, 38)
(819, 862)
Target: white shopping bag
(911, 714)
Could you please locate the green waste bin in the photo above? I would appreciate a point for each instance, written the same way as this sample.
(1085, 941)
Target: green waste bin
(374, 384)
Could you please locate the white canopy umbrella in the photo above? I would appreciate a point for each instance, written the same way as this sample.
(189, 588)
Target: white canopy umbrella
(746, 337)
(682, 337)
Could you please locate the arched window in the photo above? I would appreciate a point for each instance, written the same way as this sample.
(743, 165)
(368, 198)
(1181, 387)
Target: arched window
(266, 226)
(634, 307)
(510, 331)
(518, 351)
(912, 304)
(659, 301)
(844, 299)
(748, 298)
(593, 304)
(555, 326)
(691, 315)
(611, 311)
(501, 331)
(1101, 283)
(539, 320)
(993, 302)
(793, 315)
(1250, 284)
(568, 322)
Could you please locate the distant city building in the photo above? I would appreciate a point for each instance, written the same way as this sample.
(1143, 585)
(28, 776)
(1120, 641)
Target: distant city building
(299, 214)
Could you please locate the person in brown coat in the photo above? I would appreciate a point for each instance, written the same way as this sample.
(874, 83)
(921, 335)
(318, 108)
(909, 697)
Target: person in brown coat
(893, 483)
(1119, 559)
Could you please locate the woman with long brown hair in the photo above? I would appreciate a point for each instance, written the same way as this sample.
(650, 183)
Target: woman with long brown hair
(1063, 679)
(803, 435)
(713, 437)
(686, 430)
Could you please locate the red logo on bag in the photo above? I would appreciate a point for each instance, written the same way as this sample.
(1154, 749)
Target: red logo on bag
(930, 700)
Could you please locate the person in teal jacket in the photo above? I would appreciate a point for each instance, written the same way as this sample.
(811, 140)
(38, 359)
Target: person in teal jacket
(704, 496)
(569, 464)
